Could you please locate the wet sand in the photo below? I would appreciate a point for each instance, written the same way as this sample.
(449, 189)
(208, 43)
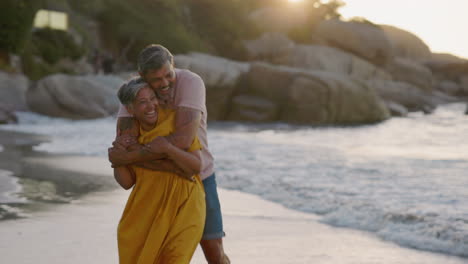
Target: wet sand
(31, 180)
(258, 231)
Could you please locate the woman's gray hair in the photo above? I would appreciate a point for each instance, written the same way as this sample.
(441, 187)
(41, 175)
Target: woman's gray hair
(153, 57)
(129, 90)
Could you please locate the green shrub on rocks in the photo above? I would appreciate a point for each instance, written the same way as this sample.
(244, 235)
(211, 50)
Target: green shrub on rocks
(128, 26)
(46, 48)
(16, 18)
(34, 67)
(224, 25)
(52, 45)
(212, 26)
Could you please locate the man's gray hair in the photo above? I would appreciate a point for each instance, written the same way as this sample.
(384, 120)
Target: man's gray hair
(153, 57)
(129, 90)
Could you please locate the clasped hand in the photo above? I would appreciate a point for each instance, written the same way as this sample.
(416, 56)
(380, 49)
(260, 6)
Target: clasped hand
(159, 145)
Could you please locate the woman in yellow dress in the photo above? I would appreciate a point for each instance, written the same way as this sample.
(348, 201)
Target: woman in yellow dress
(164, 216)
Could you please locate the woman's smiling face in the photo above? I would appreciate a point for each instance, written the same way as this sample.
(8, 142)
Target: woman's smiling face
(145, 108)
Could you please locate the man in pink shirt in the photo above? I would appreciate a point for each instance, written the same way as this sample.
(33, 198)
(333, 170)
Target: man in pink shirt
(185, 91)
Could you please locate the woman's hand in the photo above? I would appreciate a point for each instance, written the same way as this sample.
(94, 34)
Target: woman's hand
(125, 141)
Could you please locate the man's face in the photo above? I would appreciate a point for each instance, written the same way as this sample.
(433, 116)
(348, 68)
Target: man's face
(162, 81)
(144, 108)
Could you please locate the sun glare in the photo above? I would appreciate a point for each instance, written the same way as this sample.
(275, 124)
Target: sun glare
(295, 1)
(441, 26)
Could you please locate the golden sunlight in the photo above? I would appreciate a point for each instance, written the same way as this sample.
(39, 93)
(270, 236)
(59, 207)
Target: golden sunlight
(295, 1)
(440, 25)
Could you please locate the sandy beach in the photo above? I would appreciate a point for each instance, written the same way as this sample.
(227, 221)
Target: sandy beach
(336, 129)
(258, 231)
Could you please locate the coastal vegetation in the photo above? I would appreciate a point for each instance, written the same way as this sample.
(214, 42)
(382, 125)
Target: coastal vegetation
(16, 22)
(125, 27)
(261, 61)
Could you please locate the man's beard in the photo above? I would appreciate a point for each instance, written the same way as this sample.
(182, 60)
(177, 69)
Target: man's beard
(166, 99)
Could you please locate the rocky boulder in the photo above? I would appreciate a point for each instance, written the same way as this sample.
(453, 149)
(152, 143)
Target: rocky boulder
(75, 97)
(449, 87)
(80, 66)
(271, 46)
(252, 108)
(363, 39)
(13, 89)
(444, 58)
(411, 72)
(404, 94)
(323, 58)
(463, 81)
(221, 77)
(314, 97)
(324, 98)
(7, 115)
(406, 44)
(450, 71)
(396, 109)
(447, 67)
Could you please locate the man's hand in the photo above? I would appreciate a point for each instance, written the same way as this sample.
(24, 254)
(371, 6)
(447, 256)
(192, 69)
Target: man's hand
(159, 145)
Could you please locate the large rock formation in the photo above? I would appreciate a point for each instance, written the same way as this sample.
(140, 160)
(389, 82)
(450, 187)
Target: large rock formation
(13, 89)
(363, 39)
(314, 97)
(406, 44)
(221, 77)
(75, 97)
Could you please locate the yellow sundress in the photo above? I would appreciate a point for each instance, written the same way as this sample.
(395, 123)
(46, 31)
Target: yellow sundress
(164, 216)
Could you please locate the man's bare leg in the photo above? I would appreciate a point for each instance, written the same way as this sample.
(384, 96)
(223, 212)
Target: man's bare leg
(214, 251)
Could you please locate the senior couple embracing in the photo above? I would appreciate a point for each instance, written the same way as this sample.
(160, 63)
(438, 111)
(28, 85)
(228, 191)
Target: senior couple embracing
(161, 152)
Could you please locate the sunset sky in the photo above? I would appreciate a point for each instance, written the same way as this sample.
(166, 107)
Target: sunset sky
(442, 25)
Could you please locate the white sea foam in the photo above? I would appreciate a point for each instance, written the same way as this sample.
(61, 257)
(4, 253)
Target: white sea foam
(88, 137)
(403, 179)
(9, 186)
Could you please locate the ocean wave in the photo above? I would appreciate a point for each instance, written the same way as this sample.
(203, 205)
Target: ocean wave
(430, 231)
(403, 179)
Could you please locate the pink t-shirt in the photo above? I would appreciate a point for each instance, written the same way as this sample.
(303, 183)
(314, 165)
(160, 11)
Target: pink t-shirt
(190, 92)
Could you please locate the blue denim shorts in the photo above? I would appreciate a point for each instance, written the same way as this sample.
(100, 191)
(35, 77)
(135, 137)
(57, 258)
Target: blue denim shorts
(214, 220)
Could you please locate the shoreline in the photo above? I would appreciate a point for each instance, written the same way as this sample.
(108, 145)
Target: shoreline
(33, 180)
(84, 230)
